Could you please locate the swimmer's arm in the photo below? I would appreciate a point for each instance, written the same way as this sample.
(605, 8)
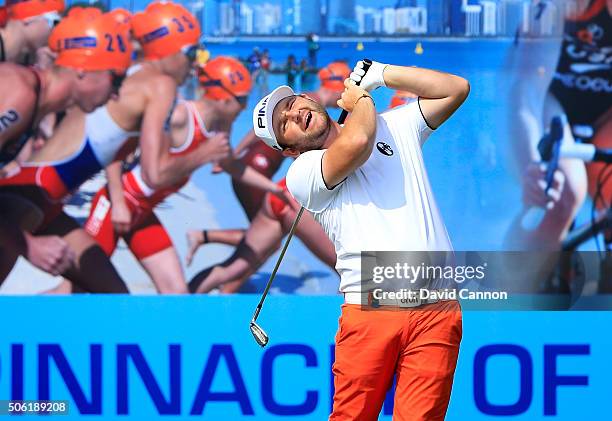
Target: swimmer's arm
(159, 168)
(16, 111)
(115, 184)
(353, 146)
(12, 238)
(247, 175)
(248, 140)
(440, 93)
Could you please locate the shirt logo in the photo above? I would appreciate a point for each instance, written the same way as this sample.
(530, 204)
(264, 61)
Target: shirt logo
(384, 148)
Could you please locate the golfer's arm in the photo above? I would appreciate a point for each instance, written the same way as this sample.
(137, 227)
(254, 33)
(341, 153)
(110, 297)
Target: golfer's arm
(440, 93)
(353, 146)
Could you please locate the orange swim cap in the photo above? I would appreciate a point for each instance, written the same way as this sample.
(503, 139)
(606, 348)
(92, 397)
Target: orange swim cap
(123, 18)
(224, 77)
(401, 98)
(24, 9)
(333, 75)
(165, 28)
(89, 40)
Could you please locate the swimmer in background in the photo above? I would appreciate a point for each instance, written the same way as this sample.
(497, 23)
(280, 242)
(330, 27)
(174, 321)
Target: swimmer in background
(401, 98)
(292, 70)
(256, 244)
(307, 76)
(125, 207)
(27, 28)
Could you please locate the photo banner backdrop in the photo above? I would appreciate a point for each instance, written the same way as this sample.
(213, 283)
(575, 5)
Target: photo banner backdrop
(176, 357)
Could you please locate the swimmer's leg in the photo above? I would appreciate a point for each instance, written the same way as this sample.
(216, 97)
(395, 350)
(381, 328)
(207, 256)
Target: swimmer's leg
(261, 239)
(151, 245)
(93, 271)
(197, 238)
(12, 245)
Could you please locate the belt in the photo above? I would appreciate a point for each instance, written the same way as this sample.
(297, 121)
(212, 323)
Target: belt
(367, 298)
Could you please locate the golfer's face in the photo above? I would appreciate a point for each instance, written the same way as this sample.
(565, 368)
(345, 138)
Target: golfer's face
(300, 123)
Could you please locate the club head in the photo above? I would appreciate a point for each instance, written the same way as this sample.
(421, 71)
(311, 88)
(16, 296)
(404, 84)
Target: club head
(260, 336)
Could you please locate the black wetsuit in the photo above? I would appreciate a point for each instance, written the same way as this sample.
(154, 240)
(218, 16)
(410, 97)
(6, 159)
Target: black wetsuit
(11, 148)
(582, 82)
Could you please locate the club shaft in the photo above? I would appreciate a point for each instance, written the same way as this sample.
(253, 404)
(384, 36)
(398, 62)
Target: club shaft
(278, 262)
(366, 65)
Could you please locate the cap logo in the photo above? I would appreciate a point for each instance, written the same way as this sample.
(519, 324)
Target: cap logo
(261, 113)
(212, 82)
(156, 34)
(80, 42)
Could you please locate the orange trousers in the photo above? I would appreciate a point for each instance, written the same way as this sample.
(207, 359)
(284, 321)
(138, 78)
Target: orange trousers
(419, 345)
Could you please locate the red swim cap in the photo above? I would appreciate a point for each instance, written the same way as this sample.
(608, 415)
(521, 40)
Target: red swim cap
(24, 9)
(223, 76)
(165, 28)
(89, 40)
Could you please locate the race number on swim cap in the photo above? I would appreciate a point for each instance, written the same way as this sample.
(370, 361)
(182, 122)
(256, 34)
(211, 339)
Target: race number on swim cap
(89, 40)
(164, 29)
(223, 77)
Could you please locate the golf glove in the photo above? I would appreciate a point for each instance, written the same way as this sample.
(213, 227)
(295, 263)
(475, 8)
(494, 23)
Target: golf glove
(373, 78)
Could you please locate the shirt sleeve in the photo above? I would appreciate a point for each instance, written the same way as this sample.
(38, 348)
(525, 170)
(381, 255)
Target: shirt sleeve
(408, 119)
(305, 181)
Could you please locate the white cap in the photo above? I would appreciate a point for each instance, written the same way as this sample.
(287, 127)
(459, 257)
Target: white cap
(262, 115)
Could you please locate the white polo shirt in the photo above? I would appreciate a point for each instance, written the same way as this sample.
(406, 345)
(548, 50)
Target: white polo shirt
(385, 205)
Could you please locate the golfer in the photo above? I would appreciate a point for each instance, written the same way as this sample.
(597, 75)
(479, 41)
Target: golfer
(366, 184)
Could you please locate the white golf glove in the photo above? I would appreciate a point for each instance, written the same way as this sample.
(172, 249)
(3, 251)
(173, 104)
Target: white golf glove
(373, 78)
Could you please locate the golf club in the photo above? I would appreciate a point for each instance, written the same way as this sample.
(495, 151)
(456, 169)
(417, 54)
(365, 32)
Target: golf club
(261, 337)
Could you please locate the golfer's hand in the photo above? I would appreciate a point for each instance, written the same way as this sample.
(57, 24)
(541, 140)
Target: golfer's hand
(534, 184)
(351, 96)
(371, 80)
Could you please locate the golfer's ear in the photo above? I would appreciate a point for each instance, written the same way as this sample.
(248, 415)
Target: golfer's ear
(290, 152)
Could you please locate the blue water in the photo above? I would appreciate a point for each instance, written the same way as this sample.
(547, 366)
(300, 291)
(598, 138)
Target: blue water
(467, 158)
